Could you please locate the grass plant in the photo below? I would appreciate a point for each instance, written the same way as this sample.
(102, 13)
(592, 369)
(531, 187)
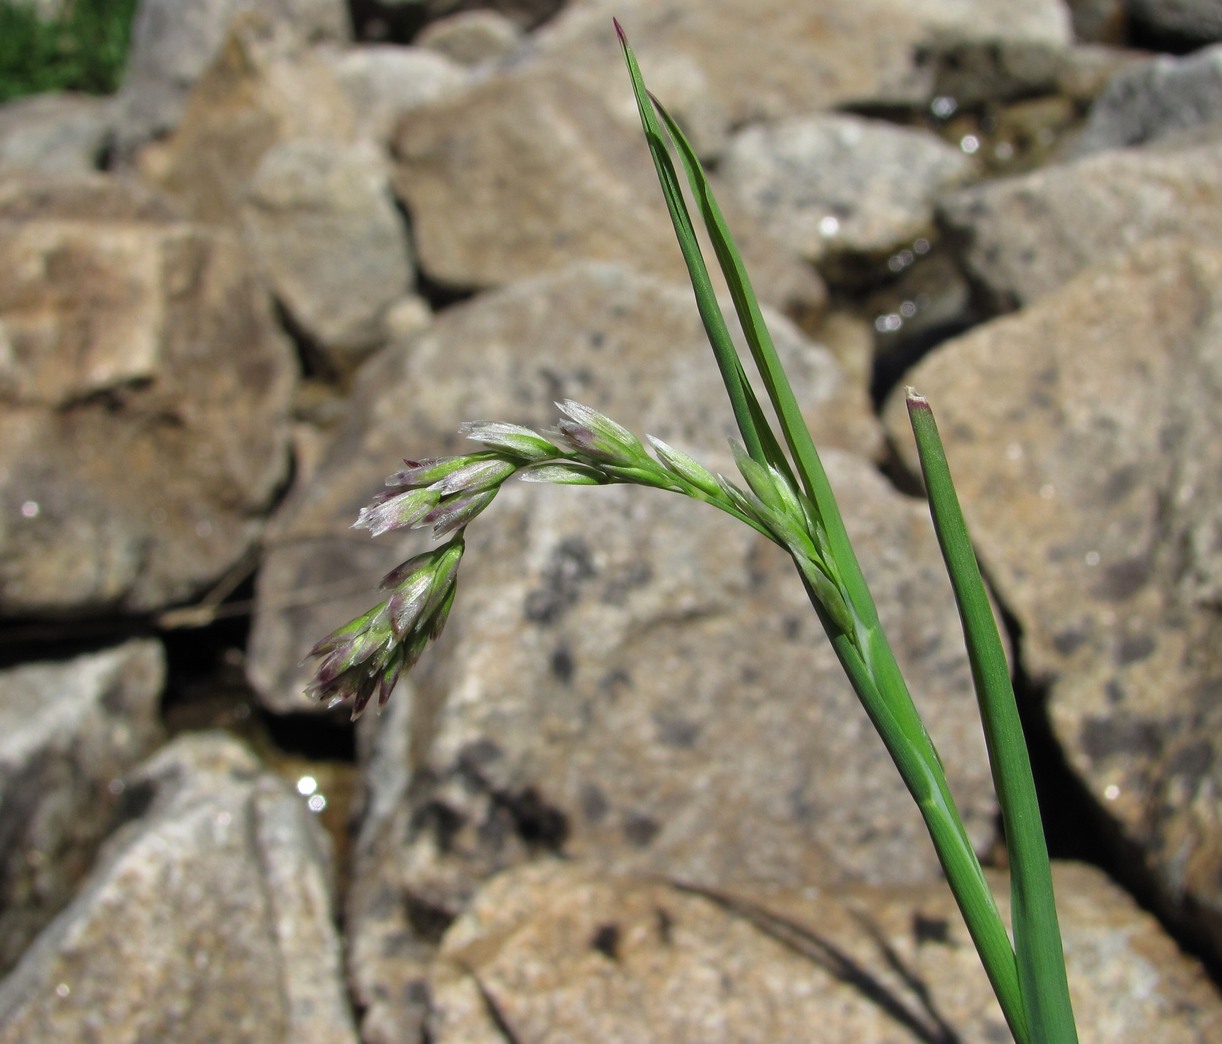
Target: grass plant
(782, 492)
(82, 48)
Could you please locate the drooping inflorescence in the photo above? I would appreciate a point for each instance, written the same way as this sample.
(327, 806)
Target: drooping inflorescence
(368, 655)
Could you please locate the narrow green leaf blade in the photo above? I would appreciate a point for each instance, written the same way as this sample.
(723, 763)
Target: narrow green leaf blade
(750, 419)
(1037, 936)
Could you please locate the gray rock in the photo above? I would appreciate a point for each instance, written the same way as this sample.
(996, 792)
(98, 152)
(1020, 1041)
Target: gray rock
(325, 230)
(596, 333)
(55, 133)
(265, 86)
(1084, 432)
(773, 59)
(555, 952)
(69, 732)
(172, 46)
(1025, 236)
(207, 918)
(383, 82)
(145, 394)
(1152, 100)
(528, 172)
(472, 37)
(1193, 22)
(841, 191)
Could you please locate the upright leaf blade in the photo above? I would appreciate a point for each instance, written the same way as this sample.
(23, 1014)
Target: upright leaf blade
(752, 424)
(1037, 935)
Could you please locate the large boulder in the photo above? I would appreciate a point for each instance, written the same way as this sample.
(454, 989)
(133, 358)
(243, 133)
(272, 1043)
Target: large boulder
(208, 917)
(171, 46)
(145, 392)
(557, 953)
(528, 172)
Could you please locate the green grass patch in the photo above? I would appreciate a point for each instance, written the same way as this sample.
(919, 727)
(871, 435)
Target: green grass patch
(84, 49)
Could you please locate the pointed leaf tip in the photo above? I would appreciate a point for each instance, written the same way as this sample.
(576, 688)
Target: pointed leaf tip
(619, 31)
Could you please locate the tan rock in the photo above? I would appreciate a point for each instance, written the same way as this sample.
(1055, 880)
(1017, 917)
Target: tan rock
(145, 393)
(323, 225)
(555, 953)
(253, 95)
(527, 173)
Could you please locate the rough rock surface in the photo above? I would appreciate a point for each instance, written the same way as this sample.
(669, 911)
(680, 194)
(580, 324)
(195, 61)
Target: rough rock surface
(384, 82)
(172, 46)
(556, 953)
(55, 133)
(539, 145)
(145, 390)
(208, 917)
(324, 228)
(1155, 99)
(69, 732)
(1085, 434)
(1025, 236)
(841, 190)
(472, 37)
(248, 99)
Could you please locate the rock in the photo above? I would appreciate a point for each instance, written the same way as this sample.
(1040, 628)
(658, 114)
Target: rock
(169, 53)
(472, 37)
(811, 58)
(83, 198)
(324, 227)
(145, 394)
(1084, 431)
(527, 172)
(208, 917)
(249, 99)
(841, 192)
(383, 82)
(596, 333)
(55, 133)
(553, 952)
(1154, 99)
(1026, 236)
(69, 732)
(1099, 21)
(1087, 70)
(1178, 22)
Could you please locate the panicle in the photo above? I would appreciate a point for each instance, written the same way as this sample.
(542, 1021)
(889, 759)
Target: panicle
(368, 655)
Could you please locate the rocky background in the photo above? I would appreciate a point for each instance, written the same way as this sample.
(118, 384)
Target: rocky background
(628, 797)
